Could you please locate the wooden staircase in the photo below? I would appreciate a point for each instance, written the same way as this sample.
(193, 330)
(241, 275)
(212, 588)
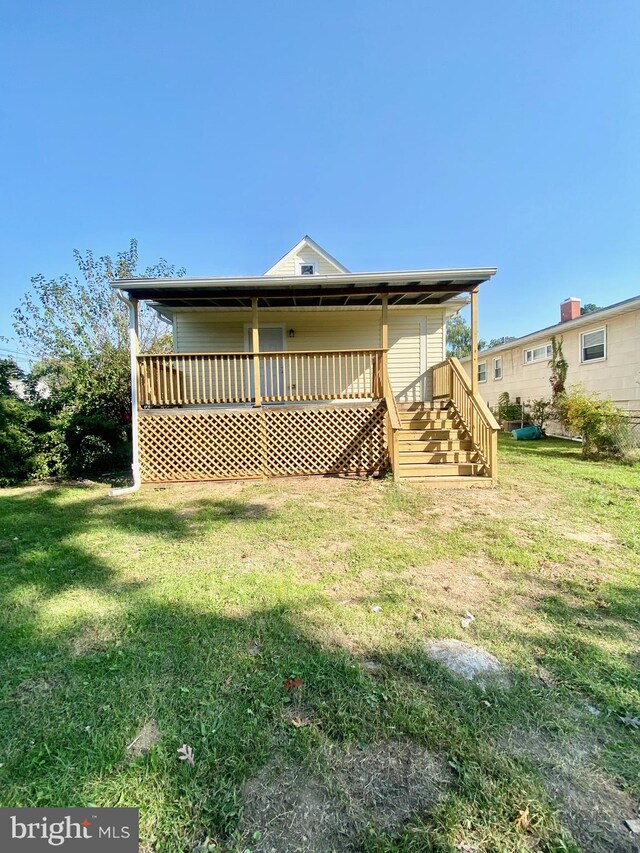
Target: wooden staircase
(433, 443)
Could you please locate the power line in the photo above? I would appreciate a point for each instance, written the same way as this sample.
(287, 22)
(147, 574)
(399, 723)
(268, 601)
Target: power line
(18, 352)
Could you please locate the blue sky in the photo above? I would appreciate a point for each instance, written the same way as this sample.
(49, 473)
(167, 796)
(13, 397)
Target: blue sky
(398, 135)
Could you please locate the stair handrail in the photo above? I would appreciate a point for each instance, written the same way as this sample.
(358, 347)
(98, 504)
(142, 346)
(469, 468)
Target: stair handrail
(394, 424)
(451, 381)
(478, 401)
(392, 404)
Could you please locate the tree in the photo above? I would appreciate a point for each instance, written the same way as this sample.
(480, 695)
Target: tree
(496, 342)
(79, 317)
(589, 308)
(459, 337)
(78, 327)
(20, 428)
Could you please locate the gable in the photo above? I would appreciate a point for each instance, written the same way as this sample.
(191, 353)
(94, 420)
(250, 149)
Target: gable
(307, 251)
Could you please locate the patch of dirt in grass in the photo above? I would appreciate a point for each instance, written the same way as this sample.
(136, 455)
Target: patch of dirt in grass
(288, 809)
(148, 736)
(589, 804)
(34, 690)
(454, 584)
(591, 537)
(91, 641)
(388, 783)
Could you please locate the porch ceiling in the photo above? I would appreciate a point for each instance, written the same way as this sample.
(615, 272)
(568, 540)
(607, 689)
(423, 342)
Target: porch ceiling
(413, 287)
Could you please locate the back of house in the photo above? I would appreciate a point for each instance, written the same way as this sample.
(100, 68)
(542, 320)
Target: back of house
(307, 369)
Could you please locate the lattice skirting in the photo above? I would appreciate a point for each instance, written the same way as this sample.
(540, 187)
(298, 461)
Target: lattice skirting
(267, 442)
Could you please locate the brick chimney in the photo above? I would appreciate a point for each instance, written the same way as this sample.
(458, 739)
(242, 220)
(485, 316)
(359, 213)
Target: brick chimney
(569, 309)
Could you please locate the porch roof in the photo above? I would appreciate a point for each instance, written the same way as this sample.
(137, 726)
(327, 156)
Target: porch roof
(407, 287)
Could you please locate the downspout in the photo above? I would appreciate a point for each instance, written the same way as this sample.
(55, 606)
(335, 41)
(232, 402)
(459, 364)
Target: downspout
(133, 353)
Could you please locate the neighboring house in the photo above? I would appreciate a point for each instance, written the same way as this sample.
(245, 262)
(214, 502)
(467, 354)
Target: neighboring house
(602, 349)
(307, 369)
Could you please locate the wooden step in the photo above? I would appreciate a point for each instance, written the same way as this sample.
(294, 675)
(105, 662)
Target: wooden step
(426, 423)
(443, 415)
(434, 446)
(435, 406)
(431, 435)
(453, 482)
(457, 469)
(439, 457)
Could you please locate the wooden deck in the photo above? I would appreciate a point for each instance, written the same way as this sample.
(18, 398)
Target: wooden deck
(235, 416)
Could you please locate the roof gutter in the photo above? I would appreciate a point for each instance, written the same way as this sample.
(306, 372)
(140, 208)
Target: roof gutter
(307, 280)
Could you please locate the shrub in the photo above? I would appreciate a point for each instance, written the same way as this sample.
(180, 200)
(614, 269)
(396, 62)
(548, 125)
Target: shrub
(539, 412)
(94, 444)
(508, 411)
(603, 425)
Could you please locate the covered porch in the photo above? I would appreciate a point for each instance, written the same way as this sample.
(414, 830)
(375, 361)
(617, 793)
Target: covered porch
(268, 411)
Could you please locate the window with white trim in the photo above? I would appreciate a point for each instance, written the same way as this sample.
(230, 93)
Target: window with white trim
(307, 268)
(497, 368)
(542, 353)
(482, 371)
(593, 345)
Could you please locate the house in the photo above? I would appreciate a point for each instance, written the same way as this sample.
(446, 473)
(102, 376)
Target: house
(602, 349)
(307, 369)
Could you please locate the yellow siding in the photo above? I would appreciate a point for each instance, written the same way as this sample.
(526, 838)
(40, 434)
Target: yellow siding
(406, 347)
(617, 377)
(289, 264)
(416, 340)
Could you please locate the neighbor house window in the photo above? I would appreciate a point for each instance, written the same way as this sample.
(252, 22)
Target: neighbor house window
(307, 269)
(593, 345)
(497, 368)
(482, 371)
(537, 354)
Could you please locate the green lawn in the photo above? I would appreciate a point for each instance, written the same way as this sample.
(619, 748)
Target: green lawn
(279, 629)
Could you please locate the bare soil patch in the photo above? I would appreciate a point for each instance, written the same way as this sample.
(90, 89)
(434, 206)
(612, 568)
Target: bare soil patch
(589, 804)
(289, 809)
(35, 690)
(148, 736)
(91, 641)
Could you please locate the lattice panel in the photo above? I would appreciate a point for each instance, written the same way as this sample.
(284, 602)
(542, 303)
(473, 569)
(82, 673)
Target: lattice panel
(269, 442)
(198, 446)
(322, 441)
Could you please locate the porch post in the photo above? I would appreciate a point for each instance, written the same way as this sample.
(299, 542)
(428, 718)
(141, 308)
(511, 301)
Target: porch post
(384, 339)
(474, 342)
(255, 348)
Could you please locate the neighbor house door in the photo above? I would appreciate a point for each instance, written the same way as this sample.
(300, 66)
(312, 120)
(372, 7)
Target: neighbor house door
(271, 370)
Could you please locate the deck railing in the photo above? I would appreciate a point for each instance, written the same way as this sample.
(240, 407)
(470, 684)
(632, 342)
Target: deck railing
(451, 381)
(179, 379)
(393, 425)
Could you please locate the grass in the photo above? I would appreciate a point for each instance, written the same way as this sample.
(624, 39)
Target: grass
(288, 619)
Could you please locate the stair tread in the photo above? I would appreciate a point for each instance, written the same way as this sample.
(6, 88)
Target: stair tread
(431, 435)
(460, 469)
(435, 457)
